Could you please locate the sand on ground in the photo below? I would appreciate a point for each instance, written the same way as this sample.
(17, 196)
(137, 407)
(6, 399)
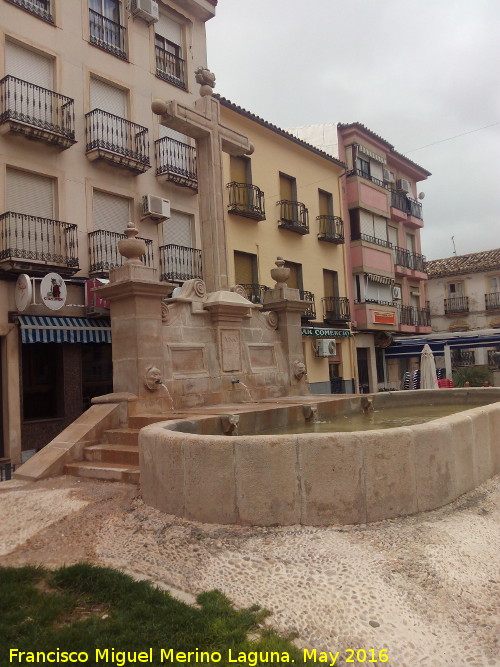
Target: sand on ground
(426, 588)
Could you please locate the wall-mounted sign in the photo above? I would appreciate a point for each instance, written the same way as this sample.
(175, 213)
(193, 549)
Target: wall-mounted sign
(23, 292)
(53, 291)
(321, 332)
(383, 317)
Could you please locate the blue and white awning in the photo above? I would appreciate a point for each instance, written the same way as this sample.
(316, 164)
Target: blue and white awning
(41, 329)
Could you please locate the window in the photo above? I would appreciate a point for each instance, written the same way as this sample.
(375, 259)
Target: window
(494, 284)
(295, 279)
(288, 188)
(108, 98)
(410, 242)
(111, 212)
(363, 166)
(105, 29)
(240, 169)
(178, 230)
(330, 283)
(27, 65)
(168, 49)
(43, 389)
(41, 8)
(455, 289)
(245, 268)
(31, 194)
(370, 290)
(325, 203)
(372, 225)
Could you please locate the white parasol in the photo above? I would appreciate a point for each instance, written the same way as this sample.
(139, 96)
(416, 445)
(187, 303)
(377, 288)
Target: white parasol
(428, 379)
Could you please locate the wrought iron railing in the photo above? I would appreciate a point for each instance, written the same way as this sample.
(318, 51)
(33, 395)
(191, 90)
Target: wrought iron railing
(331, 228)
(414, 316)
(177, 161)
(104, 255)
(415, 208)
(29, 238)
(247, 200)
(411, 206)
(41, 8)
(107, 34)
(336, 308)
(310, 313)
(169, 67)
(179, 263)
(293, 216)
(411, 260)
(368, 176)
(372, 239)
(379, 302)
(456, 304)
(117, 135)
(36, 106)
(463, 358)
(255, 292)
(492, 301)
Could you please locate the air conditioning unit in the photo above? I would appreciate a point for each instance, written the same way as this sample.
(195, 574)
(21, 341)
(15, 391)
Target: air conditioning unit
(396, 293)
(403, 185)
(145, 9)
(388, 176)
(155, 207)
(325, 347)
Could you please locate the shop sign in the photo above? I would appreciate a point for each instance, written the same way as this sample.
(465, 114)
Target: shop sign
(384, 317)
(23, 292)
(53, 291)
(320, 332)
(93, 300)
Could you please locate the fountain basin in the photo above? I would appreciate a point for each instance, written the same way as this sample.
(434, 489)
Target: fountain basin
(191, 469)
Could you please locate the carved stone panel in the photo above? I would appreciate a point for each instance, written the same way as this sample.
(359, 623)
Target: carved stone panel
(262, 357)
(188, 360)
(230, 347)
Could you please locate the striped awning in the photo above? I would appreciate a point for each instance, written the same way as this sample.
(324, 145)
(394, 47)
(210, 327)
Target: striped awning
(41, 329)
(383, 280)
(372, 154)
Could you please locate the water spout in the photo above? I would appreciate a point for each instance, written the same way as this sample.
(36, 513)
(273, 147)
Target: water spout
(230, 424)
(367, 404)
(310, 413)
(170, 400)
(246, 391)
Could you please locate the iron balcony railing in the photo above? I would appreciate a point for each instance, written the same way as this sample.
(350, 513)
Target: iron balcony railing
(40, 8)
(29, 238)
(310, 313)
(293, 216)
(371, 239)
(117, 135)
(255, 292)
(492, 301)
(104, 255)
(336, 308)
(37, 107)
(247, 200)
(463, 358)
(368, 176)
(107, 34)
(414, 316)
(411, 206)
(408, 259)
(331, 228)
(179, 263)
(456, 304)
(176, 161)
(379, 302)
(169, 67)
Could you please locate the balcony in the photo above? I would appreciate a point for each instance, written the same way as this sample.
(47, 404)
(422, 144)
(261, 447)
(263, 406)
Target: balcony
(176, 162)
(106, 34)
(255, 293)
(492, 301)
(36, 112)
(104, 255)
(247, 200)
(331, 229)
(294, 216)
(29, 243)
(169, 67)
(371, 239)
(406, 204)
(336, 309)
(117, 140)
(40, 8)
(310, 313)
(456, 304)
(179, 263)
(368, 176)
(408, 259)
(413, 316)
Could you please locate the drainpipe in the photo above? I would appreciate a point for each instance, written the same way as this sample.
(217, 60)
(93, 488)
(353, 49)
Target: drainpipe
(447, 362)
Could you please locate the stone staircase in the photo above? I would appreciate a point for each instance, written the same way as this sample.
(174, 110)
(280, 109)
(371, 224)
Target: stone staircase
(117, 457)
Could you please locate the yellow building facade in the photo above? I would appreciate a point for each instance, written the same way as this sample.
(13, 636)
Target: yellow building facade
(286, 200)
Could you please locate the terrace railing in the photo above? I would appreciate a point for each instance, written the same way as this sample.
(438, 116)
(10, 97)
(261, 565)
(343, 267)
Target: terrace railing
(456, 304)
(180, 263)
(255, 292)
(247, 200)
(400, 201)
(104, 255)
(413, 316)
(294, 216)
(372, 239)
(336, 308)
(331, 229)
(492, 301)
(170, 67)
(408, 259)
(177, 161)
(105, 131)
(107, 34)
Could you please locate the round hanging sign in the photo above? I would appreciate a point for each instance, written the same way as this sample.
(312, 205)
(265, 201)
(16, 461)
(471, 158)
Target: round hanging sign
(53, 291)
(23, 292)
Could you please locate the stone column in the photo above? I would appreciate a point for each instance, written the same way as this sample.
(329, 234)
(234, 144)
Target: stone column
(11, 365)
(285, 301)
(136, 327)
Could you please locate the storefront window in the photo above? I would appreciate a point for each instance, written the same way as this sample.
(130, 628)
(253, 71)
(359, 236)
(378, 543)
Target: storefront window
(43, 388)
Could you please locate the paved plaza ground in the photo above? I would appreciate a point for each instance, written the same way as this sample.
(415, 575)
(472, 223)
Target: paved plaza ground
(426, 588)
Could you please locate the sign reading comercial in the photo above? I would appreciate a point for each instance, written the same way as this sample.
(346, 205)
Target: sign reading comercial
(321, 332)
(53, 291)
(383, 317)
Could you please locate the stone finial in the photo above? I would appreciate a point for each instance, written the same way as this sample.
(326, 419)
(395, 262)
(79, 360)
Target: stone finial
(206, 79)
(158, 107)
(281, 273)
(131, 248)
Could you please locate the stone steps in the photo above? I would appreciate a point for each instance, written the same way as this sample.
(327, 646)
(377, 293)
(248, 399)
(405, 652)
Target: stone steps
(119, 472)
(121, 436)
(113, 453)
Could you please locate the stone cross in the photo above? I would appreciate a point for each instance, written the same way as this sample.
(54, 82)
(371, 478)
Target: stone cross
(202, 123)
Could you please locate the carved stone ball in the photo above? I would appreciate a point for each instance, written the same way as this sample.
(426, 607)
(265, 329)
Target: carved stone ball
(158, 107)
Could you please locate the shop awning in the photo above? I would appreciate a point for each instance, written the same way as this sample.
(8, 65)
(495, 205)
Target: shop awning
(41, 329)
(412, 347)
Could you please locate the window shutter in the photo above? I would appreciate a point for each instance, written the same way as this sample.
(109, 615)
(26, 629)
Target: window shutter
(169, 29)
(325, 203)
(111, 212)
(293, 280)
(239, 169)
(29, 65)
(173, 134)
(366, 223)
(380, 227)
(243, 268)
(393, 236)
(177, 230)
(286, 188)
(30, 194)
(108, 98)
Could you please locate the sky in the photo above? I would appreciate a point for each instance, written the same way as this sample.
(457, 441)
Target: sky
(415, 72)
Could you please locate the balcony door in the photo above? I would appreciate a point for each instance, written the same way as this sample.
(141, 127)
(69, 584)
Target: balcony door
(176, 150)
(178, 230)
(168, 46)
(111, 126)
(110, 9)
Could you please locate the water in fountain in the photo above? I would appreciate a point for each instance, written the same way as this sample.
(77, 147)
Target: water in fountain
(168, 396)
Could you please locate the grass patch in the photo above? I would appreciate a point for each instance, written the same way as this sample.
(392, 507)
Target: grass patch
(83, 608)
